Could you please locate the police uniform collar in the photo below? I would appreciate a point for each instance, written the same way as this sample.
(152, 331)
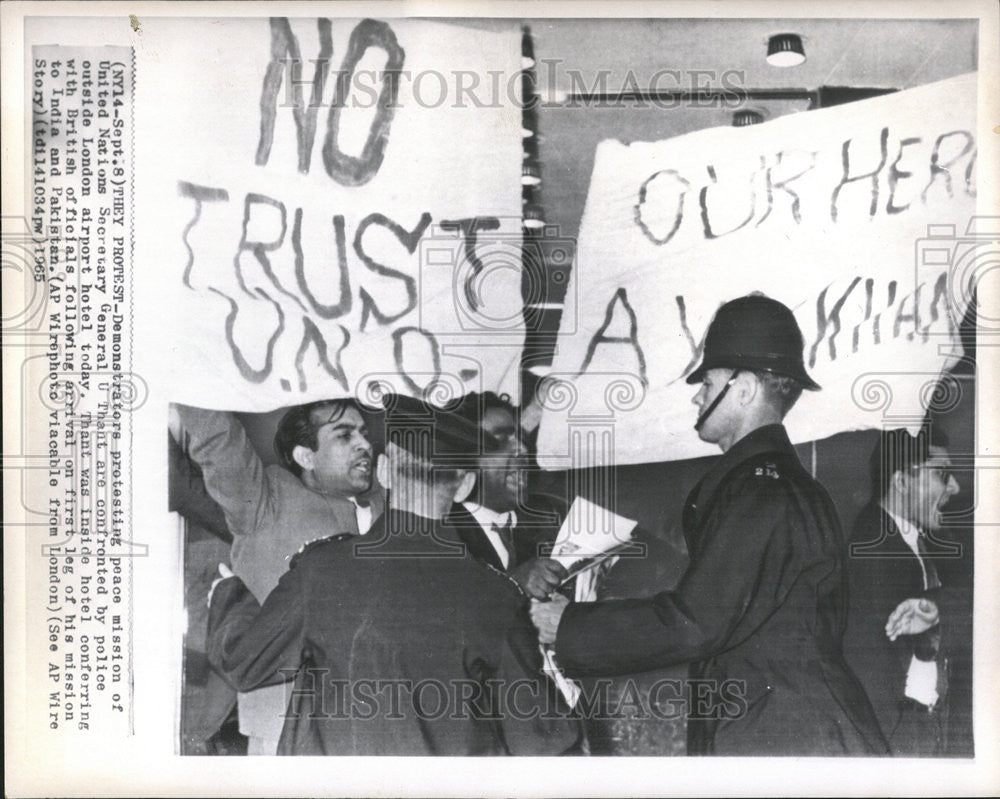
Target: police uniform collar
(397, 520)
(770, 438)
(316, 543)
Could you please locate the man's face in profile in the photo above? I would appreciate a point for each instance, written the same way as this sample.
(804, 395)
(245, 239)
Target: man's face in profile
(342, 463)
(931, 487)
(501, 472)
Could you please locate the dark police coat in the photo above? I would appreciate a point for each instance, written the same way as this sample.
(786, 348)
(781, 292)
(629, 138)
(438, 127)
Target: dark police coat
(759, 614)
(399, 644)
(271, 513)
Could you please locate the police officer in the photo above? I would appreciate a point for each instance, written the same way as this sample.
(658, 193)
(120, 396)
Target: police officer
(399, 642)
(760, 612)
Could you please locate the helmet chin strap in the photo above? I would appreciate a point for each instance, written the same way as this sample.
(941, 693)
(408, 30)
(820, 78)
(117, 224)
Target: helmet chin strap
(715, 403)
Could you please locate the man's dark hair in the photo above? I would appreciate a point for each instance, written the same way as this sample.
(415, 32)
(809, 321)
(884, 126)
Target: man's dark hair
(897, 450)
(299, 427)
(782, 391)
(474, 406)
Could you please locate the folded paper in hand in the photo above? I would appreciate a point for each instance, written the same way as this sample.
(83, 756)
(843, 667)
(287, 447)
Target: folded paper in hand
(589, 535)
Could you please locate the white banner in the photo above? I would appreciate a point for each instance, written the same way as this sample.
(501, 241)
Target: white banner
(322, 195)
(856, 217)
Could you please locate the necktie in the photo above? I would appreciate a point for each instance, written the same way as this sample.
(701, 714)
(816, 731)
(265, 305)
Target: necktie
(506, 534)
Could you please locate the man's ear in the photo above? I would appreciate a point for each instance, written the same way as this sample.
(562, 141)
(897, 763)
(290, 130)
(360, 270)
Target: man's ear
(304, 457)
(465, 486)
(901, 482)
(747, 386)
(382, 471)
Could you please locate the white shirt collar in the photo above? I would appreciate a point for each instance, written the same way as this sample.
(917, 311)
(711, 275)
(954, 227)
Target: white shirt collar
(907, 530)
(487, 517)
(363, 515)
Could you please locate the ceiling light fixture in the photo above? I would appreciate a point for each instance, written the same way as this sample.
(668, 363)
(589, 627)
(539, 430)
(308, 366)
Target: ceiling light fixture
(747, 116)
(530, 174)
(532, 217)
(785, 50)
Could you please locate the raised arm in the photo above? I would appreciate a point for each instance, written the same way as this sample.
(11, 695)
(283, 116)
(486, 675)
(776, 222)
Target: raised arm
(234, 474)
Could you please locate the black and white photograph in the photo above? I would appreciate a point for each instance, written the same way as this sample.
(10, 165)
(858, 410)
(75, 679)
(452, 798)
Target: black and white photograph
(420, 385)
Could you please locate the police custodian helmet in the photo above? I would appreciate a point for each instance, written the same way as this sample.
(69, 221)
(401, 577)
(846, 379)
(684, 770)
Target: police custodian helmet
(755, 332)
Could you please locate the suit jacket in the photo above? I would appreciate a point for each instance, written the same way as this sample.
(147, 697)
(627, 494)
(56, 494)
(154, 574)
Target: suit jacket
(537, 526)
(759, 614)
(399, 645)
(271, 515)
(883, 572)
(474, 537)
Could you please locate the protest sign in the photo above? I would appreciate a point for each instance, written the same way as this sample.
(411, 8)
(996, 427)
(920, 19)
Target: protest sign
(333, 241)
(852, 216)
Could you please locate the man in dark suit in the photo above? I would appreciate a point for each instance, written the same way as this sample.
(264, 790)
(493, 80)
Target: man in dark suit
(494, 522)
(896, 638)
(399, 643)
(760, 611)
(324, 484)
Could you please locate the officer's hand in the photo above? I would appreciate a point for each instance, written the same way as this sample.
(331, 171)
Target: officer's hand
(225, 571)
(539, 577)
(546, 616)
(912, 617)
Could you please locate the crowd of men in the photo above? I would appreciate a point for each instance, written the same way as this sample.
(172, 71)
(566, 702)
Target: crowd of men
(403, 603)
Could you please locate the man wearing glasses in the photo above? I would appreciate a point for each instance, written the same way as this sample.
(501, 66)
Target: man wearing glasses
(488, 522)
(323, 486)
(896, 639)
(760, 611)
